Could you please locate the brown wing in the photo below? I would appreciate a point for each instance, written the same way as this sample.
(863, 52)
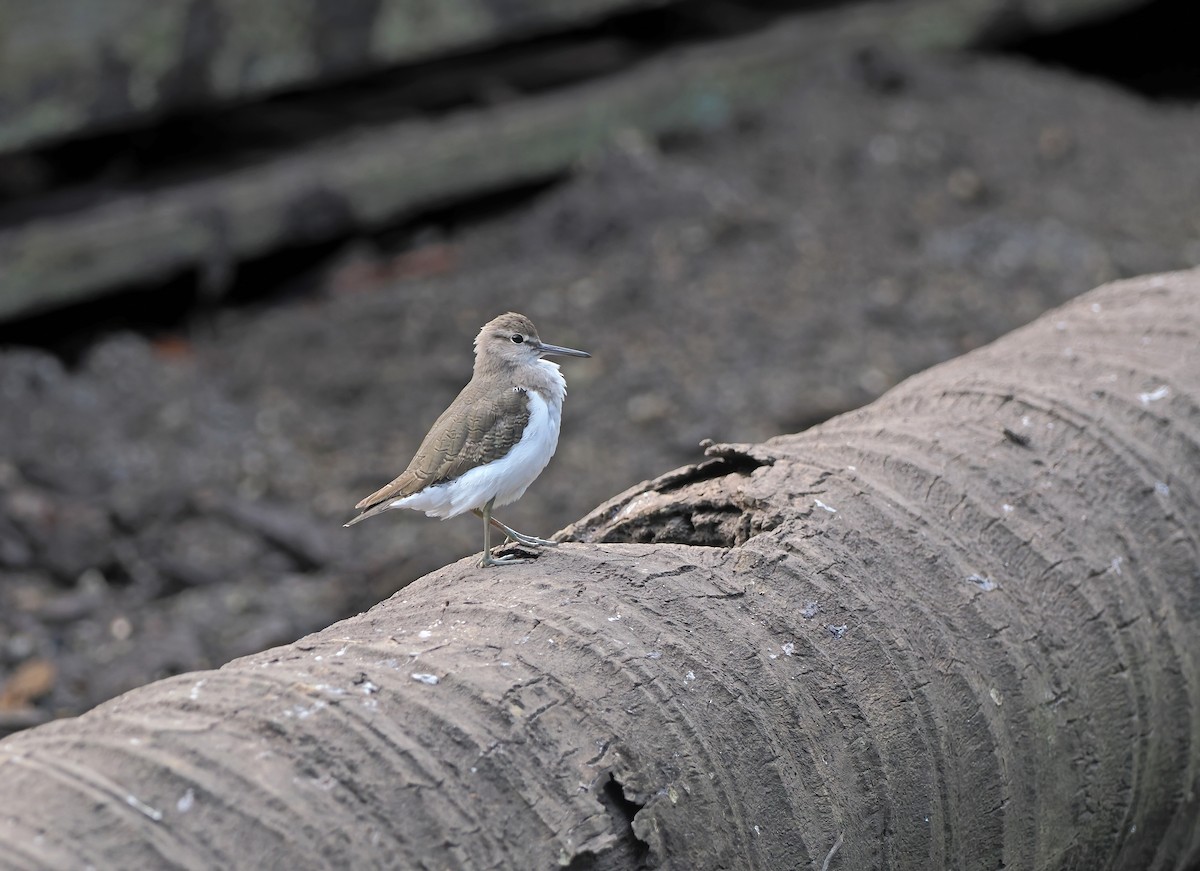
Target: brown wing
(481, 425)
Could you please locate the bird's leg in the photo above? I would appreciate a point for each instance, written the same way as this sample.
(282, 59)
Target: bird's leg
(518, 537)
(488, 559)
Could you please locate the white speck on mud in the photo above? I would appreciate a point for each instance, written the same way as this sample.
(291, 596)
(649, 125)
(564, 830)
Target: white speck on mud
(1160, 392)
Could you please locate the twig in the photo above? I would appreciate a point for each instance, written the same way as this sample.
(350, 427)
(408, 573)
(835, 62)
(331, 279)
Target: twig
(829, 858)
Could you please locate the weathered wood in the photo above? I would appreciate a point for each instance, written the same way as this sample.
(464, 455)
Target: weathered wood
(367, 177)
(957, 25)
(72, 67)
(916, 637)
(376, 174)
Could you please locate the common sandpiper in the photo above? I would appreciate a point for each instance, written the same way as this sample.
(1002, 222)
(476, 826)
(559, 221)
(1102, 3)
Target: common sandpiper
(493, 440)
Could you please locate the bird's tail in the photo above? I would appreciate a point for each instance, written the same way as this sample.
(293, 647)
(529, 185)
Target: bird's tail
(370, 512)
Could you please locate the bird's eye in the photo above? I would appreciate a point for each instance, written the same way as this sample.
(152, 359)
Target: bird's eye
(517, 338)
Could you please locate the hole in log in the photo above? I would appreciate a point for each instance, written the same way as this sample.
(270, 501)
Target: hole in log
(628, 852)
(706, 510)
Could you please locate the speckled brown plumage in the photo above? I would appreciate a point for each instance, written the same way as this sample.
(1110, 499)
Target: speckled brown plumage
(480, 426)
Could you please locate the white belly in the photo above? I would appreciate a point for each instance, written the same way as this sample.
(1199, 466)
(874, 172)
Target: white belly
(505, 479)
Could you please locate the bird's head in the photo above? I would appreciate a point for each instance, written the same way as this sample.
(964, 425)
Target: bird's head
(512, 339)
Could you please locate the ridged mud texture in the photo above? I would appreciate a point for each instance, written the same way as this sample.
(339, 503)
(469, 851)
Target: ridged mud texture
(956, 629)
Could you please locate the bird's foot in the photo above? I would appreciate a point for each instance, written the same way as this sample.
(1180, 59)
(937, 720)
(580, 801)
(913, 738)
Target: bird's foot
(510, 533)
(529, 540)
(505, 559)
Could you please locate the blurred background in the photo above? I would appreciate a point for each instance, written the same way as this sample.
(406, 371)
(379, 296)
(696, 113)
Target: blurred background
(244, 249)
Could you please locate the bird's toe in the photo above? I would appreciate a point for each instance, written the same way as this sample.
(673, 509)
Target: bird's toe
(533, 540)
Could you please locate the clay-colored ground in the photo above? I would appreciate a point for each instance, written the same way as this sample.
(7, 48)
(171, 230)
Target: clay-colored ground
(173, 503)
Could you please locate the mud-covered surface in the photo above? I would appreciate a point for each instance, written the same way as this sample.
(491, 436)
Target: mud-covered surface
(171, 502)
(940, 648)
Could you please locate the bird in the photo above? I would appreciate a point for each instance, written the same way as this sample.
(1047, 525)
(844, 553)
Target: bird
(490, 444)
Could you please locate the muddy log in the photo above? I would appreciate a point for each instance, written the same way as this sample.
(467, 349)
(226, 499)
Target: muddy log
(76, 245)
(955, 629)
(77, 68)
(71, 67)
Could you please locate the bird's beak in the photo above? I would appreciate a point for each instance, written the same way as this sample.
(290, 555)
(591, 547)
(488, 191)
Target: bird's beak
(545, 350)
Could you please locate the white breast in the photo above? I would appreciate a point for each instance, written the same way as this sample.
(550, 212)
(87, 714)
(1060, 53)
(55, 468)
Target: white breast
(505, 479)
